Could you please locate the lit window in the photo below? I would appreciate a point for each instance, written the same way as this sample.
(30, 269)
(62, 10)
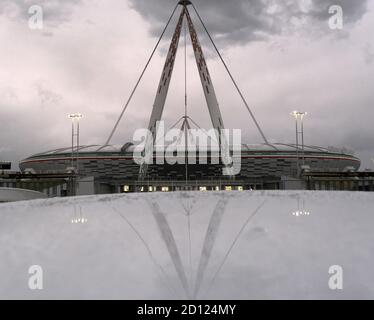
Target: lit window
(202, 188)
(240, 188)
(165, 189)
(217, 188)
(126, 188)
(150, 189)
(228, 188)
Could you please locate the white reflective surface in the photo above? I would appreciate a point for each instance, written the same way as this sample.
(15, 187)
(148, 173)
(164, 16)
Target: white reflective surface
(208, 245)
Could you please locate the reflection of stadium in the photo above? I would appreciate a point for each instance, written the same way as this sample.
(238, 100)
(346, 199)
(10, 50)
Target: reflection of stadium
(263, 166)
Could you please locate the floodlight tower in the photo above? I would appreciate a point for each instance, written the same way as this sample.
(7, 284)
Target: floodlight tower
(299, 121)
(75, 117)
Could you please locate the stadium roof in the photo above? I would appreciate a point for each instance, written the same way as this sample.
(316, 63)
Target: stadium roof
(277, 147)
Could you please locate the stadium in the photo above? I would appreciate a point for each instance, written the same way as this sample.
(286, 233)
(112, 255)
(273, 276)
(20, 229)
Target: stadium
(263, 166)
(114, 166)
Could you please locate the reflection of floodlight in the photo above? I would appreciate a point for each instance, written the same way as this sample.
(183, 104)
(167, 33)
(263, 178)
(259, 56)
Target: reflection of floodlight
(79, 219)
(300, 208)
(300, 213)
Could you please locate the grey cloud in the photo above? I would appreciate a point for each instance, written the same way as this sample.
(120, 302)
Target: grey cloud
(242, 21)
(46, 96)
(361, 139)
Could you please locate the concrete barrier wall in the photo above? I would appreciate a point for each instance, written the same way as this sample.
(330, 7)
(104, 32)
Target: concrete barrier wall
(12, 194)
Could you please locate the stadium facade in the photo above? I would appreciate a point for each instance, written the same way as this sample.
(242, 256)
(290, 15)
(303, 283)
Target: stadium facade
(5, 165)
(256, 161)
(262, 167)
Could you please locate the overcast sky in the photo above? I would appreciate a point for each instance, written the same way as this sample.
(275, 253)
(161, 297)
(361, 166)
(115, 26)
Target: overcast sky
(89, 54)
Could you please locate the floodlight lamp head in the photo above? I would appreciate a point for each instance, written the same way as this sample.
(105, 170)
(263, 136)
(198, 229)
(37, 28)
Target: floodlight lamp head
(75, 116)
(298, 114)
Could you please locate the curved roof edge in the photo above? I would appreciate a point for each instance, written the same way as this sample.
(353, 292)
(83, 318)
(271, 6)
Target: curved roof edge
(277, 147)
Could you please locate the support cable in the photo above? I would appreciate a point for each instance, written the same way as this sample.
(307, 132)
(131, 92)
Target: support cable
(137, 83)
(185, 102)
(185, 68)
(232, 78)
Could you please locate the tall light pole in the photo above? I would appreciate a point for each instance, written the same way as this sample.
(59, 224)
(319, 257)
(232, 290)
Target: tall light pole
(299, 118)
(75, 117)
